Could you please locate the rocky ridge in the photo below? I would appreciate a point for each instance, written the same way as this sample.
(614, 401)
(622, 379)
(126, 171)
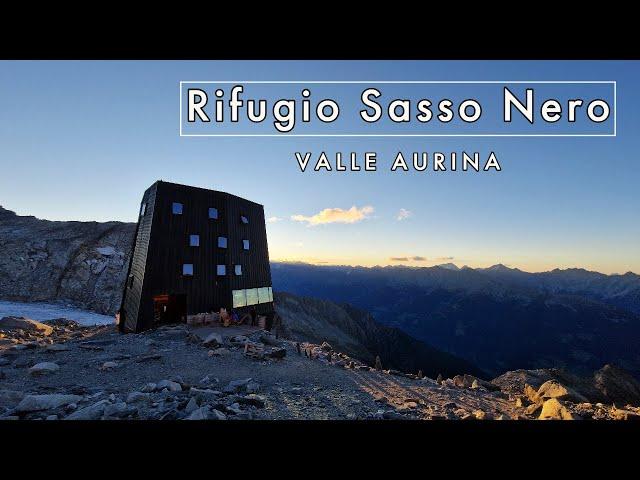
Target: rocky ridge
(83, 263)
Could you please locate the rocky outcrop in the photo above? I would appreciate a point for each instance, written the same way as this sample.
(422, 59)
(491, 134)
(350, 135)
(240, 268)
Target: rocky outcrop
(553, 409)
(553, 389)
(610, 384)
(617, 385)
(21, 323)
(83, 263)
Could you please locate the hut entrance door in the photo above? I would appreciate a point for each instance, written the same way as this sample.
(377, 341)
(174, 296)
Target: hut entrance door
(169, 309)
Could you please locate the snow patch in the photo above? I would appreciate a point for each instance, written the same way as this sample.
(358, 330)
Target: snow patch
(49, 311)
(106, 251)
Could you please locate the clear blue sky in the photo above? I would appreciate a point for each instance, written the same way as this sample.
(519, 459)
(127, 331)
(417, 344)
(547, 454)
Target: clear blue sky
(83, 140)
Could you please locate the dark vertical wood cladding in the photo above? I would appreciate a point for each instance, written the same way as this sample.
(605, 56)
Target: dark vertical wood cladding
(133, 289)
(162, 248)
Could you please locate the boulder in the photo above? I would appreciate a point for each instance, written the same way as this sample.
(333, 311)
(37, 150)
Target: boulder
(234, 408)
(148, 388)
(169, 385)
(205, 394)
(44, 368)
(92, 412)
(118, 410)
(22, 323)
(206, 380)
(252, 399)
(62, 322)
(553, 409)
(205, 413)
(213, 339)
(553, 389)
(531, 393)
(533, 408)
(135, 397)
(216, 415)
(192, 405)
(201, 413)
(617, 385)
(252, 387)
(236, 385)
(57, 347)
(482, 415)
(10, 398)
(35, 403)
(393, 415)
(109, 366)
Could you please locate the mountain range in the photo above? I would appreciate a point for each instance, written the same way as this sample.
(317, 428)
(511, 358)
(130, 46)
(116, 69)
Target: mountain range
(498, 318)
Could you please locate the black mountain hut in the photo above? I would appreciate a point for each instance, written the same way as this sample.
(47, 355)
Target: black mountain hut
(196, 251)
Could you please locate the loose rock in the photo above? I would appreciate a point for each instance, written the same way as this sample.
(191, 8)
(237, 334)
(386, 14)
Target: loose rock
(35, 403)
(553, 409)
(109, 366)
(169, 385)
(44, 368)
(92, 412)
(22, 323)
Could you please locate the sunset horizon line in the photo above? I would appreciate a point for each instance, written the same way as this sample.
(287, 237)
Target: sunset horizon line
(465, 266)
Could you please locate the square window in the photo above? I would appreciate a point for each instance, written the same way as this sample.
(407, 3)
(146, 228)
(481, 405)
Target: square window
(143, 209)
(176, 208)
(194, 240)
(213, 213)
(245, 244)
(238, 269)
(244, 219)
(187, 269)
(222, 242)
(221, 270)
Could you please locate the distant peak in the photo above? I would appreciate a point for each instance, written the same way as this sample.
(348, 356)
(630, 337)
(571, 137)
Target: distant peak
(499, 267)
(448, 266)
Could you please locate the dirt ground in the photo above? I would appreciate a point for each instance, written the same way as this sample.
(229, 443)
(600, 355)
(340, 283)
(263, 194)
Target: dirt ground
(102, 363)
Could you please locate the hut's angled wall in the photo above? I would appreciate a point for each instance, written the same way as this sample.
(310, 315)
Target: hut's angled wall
(133, 289)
